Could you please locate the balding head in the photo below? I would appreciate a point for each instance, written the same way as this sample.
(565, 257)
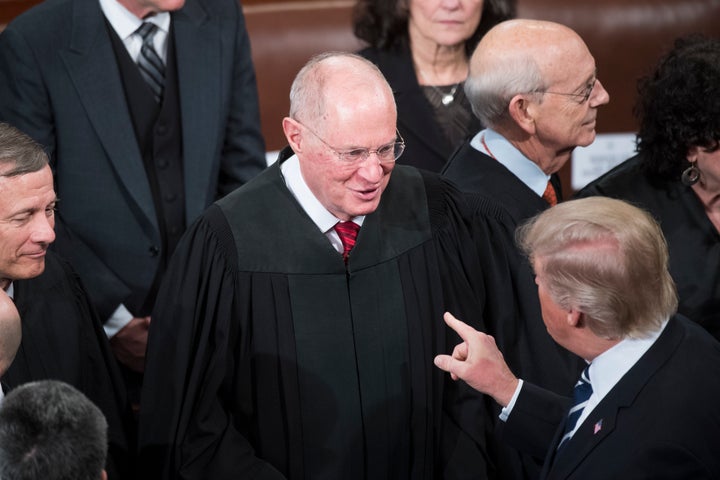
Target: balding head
(535, 83)
(518, 56)
(335, 80)
(340, 104)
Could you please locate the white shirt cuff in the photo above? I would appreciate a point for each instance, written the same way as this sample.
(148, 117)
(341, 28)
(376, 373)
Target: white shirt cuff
(120, 317)
(505, 412)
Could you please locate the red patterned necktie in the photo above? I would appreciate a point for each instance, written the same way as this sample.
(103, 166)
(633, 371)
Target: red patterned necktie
(549, 194)
(347, 231)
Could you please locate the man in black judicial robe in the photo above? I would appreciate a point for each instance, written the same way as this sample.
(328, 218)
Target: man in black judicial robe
(62, 337)
(271, 357)
(530, 136)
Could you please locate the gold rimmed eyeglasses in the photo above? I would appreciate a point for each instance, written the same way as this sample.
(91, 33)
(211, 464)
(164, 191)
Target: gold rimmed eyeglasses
(386, 153)
(584, 95)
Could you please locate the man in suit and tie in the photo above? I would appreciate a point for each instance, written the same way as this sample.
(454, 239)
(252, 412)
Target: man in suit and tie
(646, 404)
(149, 111)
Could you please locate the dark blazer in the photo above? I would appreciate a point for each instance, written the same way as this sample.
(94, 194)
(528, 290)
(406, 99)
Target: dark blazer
(660, 421)
(425, 144)
(60, 83)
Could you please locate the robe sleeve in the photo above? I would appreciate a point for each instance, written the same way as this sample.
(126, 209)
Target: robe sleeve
(187, 427)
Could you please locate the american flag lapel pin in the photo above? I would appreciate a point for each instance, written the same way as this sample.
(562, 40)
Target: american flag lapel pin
(597, 427)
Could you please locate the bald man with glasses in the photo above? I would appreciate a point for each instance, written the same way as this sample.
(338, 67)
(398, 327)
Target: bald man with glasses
(294, 332)
(534, 84)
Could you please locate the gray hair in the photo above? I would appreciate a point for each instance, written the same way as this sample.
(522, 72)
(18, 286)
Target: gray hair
(489, 90)
(19, 150)
(607, 259)
(50, 430)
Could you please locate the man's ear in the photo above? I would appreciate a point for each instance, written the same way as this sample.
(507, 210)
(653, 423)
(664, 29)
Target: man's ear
(521, 110)
(575, 318)
(293, 133)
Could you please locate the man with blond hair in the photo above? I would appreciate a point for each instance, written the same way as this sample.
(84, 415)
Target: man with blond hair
(646, 404)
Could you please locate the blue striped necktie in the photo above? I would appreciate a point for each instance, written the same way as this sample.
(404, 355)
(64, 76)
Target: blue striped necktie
(149, 62)
(581, 394)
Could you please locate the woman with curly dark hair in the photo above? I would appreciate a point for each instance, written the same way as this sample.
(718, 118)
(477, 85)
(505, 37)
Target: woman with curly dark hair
(676, 173)
(422, 47)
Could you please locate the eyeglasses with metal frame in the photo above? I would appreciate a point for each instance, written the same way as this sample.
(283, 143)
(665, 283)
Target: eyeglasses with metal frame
(387, 153)
(584, 96)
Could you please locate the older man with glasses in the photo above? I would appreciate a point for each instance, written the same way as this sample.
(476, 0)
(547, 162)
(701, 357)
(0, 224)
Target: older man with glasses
(295, 329)
(534, 85)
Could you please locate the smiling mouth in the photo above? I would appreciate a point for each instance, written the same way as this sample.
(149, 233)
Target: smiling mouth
(367, 193)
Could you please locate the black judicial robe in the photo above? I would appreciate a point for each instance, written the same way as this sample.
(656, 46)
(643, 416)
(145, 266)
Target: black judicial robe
(693, 241)
(268, 358)
(62, 339)
(513, 315)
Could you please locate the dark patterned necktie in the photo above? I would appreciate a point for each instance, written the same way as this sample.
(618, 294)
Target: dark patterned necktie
(149, 62)
(549, 195)
(581, 394)
(347, 231)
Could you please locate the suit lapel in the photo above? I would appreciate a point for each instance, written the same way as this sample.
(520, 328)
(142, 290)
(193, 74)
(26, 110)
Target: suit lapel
(92, 66)
(198, 53)
(601, 423)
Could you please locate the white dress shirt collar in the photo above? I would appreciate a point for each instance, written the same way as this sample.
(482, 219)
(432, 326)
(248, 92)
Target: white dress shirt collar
(607, 369)
(324, 220)
(125, 24)
(496, 146)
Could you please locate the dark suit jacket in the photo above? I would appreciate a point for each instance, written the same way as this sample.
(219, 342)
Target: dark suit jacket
(60, 83)
(659, 422)
(426, 146)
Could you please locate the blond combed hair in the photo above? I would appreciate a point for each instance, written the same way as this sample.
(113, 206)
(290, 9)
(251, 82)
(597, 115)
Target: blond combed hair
(607, 259)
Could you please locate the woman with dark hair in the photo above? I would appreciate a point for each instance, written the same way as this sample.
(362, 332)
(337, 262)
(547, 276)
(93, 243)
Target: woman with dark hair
(676, 173)
(422, 47)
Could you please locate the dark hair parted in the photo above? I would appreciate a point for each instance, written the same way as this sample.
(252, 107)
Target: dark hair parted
(384, 23)
(679, 106)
